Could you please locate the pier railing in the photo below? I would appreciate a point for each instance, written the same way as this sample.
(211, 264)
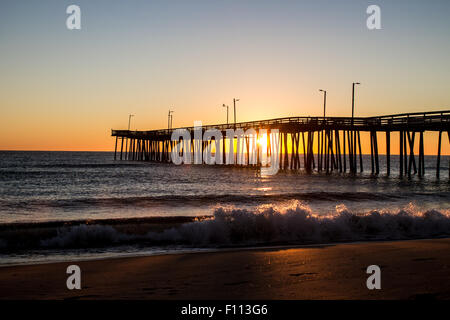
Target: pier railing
(434, 121)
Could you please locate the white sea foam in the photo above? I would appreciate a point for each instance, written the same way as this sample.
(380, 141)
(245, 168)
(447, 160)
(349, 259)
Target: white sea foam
(295, 223)
(298, 224)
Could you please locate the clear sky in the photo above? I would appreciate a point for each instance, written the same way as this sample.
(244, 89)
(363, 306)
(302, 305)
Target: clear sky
(65, 89)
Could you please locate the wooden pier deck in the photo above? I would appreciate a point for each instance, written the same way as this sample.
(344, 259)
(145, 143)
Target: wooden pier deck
(336, 141)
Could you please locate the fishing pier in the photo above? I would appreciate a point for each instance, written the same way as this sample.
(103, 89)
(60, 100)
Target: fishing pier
(313, 144)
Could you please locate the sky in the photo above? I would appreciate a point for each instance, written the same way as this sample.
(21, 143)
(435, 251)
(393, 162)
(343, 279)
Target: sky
(64, 89)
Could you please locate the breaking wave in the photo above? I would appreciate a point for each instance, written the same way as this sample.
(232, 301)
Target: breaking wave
(300, 225)
(293, 224)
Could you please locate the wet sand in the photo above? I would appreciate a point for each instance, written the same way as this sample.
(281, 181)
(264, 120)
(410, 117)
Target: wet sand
(418, 269)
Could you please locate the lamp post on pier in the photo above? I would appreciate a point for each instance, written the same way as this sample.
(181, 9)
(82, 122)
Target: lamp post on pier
(324, 101)
(224, 106)
(234, 105)
(169, 120)
(129, 120)
(353, 98)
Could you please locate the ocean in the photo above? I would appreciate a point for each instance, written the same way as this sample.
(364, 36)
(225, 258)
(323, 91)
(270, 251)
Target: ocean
(58, 206)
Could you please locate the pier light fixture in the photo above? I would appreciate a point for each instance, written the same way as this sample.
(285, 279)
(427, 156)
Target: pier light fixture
(324, 101)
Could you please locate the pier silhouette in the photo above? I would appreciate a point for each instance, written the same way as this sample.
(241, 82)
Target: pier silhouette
(336, 140)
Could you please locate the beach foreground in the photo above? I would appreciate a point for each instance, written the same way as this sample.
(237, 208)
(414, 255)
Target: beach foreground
(409, 270)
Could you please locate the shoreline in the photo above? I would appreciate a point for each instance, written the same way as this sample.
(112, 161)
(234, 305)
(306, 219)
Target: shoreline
(410, 269)
(193, 250)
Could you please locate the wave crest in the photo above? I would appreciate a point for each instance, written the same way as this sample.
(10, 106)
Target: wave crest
(299, 225)
(292, 224)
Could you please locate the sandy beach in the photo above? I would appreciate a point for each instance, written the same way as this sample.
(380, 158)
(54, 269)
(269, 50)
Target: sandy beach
(413, 269)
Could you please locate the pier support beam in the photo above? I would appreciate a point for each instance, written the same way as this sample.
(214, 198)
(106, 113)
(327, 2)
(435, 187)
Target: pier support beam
(377, 162)
(121, 148)
(360, 154)
(343, 153)
(388, 153)
(350, 151)
(412, 161)
(304, 150)
(372, 152)
(438, 165)
(421, 155)
(405, 152)
(338, 149)
(401, 153)
(115, 150)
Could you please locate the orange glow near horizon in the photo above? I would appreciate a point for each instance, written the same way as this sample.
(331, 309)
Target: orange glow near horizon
(65, 90)
(97, 140)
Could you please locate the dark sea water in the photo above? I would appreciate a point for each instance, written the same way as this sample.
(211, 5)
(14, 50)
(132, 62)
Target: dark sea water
(64, 205)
